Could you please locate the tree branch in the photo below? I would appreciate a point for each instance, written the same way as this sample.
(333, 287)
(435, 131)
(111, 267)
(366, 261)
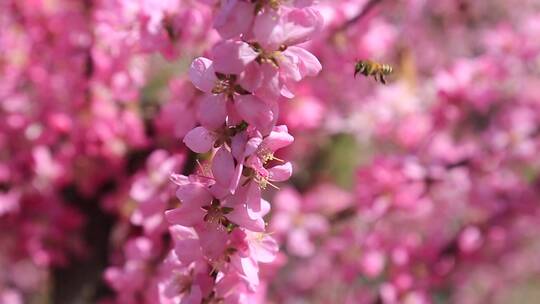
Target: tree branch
(368, 7)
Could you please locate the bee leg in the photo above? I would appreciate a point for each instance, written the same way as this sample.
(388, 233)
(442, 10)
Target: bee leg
(358, 69)
(382, 78)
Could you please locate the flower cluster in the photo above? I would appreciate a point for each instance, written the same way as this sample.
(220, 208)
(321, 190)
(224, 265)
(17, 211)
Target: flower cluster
(219, 230)
(134, 171)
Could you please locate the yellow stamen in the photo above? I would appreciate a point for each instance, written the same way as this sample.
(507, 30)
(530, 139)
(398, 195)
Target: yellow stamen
(263, 182)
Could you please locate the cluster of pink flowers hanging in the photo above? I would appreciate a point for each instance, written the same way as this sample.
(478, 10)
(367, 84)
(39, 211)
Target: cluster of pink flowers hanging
(219, 228)
(147, 151)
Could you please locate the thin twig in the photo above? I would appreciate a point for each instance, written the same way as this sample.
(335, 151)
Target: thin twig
(365, 10)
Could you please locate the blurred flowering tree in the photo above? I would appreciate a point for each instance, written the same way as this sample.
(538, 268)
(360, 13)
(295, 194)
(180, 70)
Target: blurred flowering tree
(147, 151)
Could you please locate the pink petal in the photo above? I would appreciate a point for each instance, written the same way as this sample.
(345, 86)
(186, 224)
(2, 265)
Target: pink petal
(256, 206)
(248, 270)
(233, 117)
(308, 64)
(258, 211)
(194, 194)
(238, 146)
(220, 191)
(236, 177)
(288, 26)
(234, 18)
(231, 57)
(181, 232)
(280, 173)
(281, 128)
(301, 25)
(289, 66)
(213, 240)
(253, 144)
(272, 86)
(242, 147)
(212, 111)
(285, 91)
(223, 167)
(252, 77)
(268, 31)
(179, 179)
(199, 140)
(253, 197)
(264, 250)
(185, 216)
(255, 163)
(202, 74)
(255, 112)
(188, 250)
(240, 216)
(277, 140)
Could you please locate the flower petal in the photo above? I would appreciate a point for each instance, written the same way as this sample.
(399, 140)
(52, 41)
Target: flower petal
(194, 194)
(277, 140)
(212, 111)
(280, 173)
(287, 26)
(213, 240)
(188, 249)
(247, 269)
(307, 63)
(268, 31)
(202, 74)
(255, 112)
(301, 24)
(223, 167)
(234, 18)
(264, 250)
(240, 216)
(199, 140)
(185, 216)
(232, 57)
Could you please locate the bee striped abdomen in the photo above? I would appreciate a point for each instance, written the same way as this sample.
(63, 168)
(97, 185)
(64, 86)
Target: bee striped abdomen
(386, 69)
(372, 68)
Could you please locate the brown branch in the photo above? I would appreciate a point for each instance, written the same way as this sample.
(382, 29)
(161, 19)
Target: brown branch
(368, 7)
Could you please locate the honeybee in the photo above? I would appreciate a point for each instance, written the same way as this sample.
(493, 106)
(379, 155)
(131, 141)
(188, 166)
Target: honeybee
(372, 68)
